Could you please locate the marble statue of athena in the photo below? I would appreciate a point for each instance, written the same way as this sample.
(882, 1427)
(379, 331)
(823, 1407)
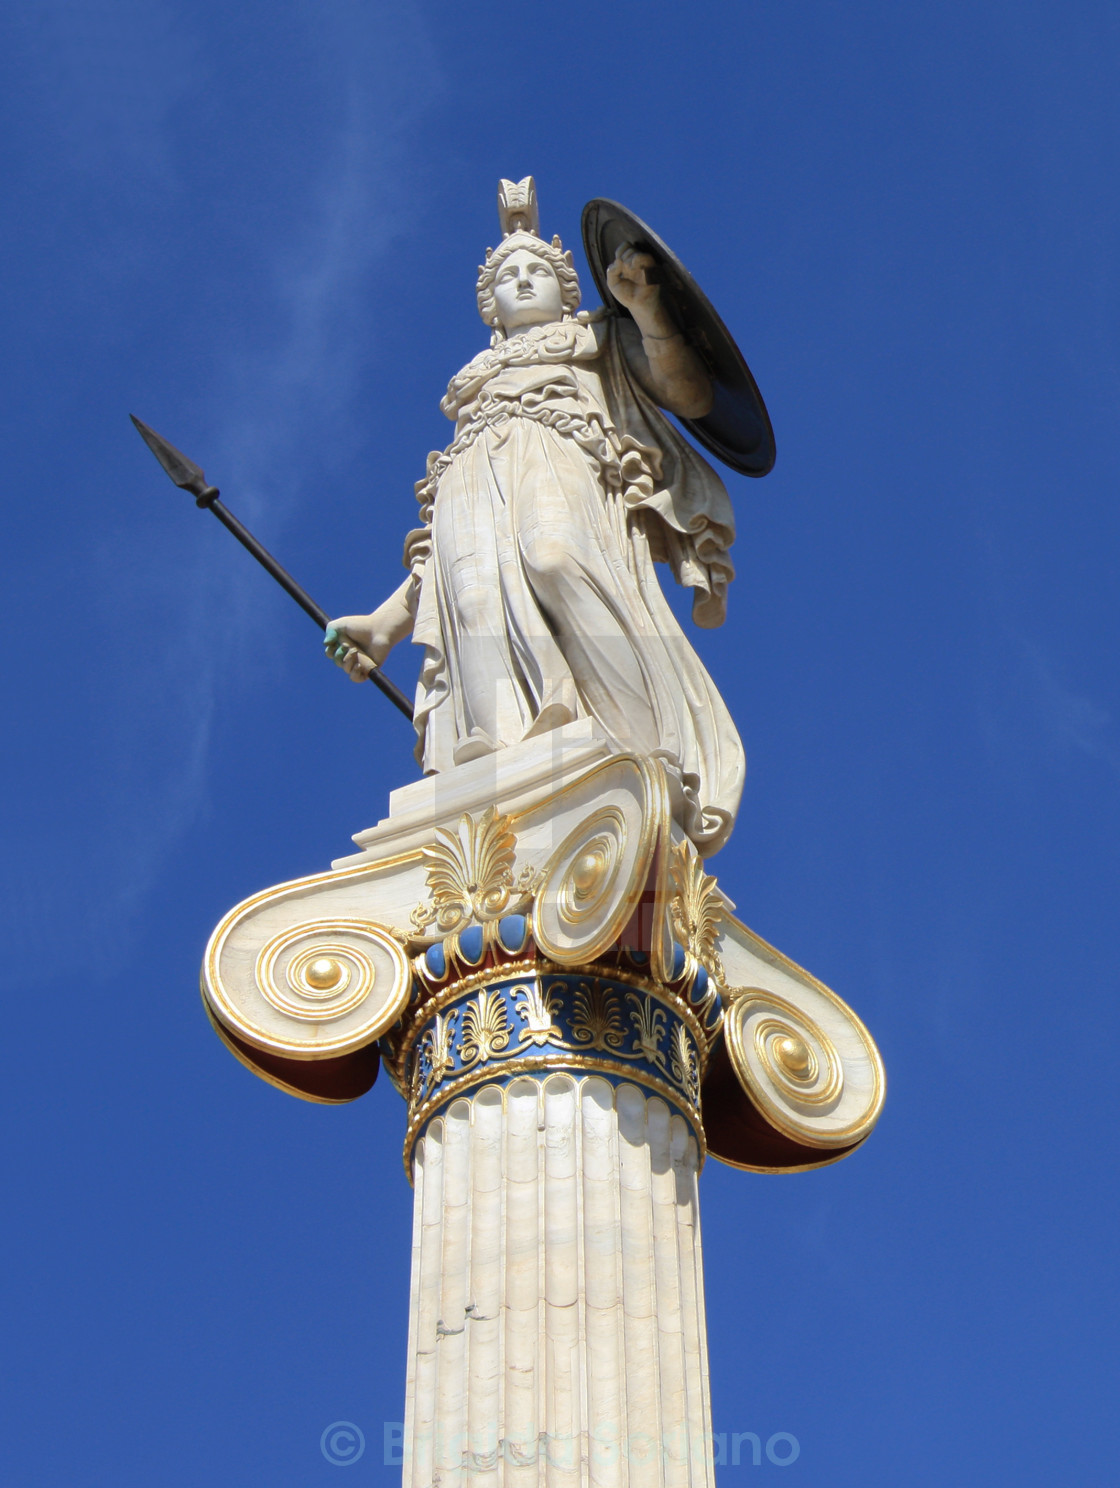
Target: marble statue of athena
(531, 583)
(529, 944)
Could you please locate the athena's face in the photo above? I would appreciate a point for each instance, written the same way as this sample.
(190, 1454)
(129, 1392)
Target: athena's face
(527, 291)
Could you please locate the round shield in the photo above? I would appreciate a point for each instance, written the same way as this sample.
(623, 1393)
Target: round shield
(737, 431)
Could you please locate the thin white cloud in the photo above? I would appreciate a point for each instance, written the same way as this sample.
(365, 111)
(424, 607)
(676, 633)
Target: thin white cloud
(1028, 709)
(289, 391)
(1073, 720)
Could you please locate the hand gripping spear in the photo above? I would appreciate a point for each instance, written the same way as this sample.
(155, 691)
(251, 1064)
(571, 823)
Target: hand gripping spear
(188, 477)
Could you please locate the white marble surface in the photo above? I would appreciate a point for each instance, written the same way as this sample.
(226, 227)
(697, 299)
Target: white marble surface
(513, 780)
(533, 587)
(557, 1331)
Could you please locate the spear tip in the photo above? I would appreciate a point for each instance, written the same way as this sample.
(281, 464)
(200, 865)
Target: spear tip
(180, 469)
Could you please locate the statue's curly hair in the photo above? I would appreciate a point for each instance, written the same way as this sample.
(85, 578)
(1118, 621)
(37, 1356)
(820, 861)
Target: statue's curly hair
(552, 254)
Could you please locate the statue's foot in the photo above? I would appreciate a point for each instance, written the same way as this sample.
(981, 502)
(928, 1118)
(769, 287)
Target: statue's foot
(477, 743)
(552, 716)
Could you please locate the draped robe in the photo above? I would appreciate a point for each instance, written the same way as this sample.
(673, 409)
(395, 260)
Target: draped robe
(539, 602)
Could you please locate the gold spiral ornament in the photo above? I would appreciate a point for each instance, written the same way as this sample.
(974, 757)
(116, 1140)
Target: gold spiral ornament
(324, 974)
(817, 1079)
(588, 878)
(800, 1059)
(590, 885)
(317, 984)
(316, 990)
(796, 1058)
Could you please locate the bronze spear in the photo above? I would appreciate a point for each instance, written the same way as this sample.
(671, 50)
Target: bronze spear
(189, 477)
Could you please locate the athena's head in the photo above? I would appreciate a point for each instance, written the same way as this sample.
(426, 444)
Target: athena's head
(525, 280)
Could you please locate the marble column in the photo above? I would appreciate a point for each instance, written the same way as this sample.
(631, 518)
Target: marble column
(557, 1329)
(534, 954)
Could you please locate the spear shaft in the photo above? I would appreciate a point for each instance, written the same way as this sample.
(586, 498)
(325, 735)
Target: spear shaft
(189, 477)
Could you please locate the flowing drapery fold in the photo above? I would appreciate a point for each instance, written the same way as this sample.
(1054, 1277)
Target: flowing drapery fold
(539, 602)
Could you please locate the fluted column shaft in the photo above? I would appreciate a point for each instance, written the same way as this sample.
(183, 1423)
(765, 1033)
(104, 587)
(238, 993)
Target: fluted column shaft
(557, 1332)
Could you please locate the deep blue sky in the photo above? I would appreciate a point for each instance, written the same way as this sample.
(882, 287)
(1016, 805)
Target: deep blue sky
(257, 226)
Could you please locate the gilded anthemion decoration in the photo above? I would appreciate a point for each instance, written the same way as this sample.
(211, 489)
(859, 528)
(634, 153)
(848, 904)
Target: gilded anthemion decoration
(696, 914)
(605, 1024)
(597, 1023)
(695, 908)
(435, 1049)
(538, 1013)
(485, 1028)
(684, 1065)
(488, 1005)
(470, 875)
